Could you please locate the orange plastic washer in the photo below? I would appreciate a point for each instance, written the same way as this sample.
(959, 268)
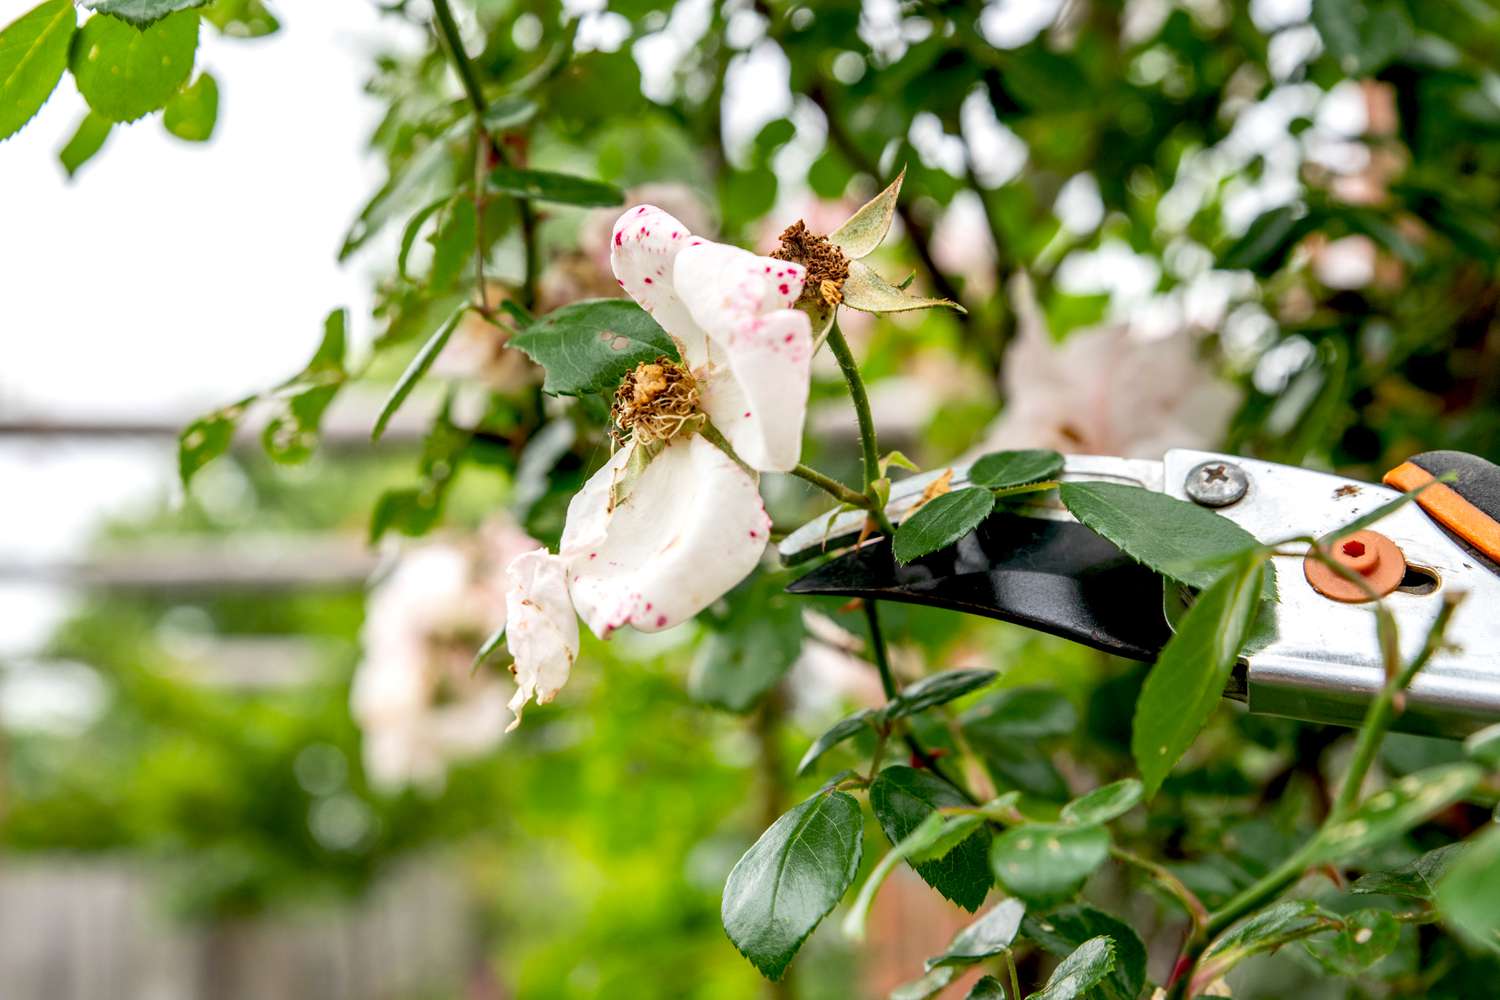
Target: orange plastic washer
(1376, 558)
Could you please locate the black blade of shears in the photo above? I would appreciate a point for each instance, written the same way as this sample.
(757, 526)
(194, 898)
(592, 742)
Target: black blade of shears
(1054, 576)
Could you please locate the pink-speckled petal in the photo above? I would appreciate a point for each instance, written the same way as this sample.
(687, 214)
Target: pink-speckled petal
(755, 388)
(643, 251)
(541, 629)
(691, 528)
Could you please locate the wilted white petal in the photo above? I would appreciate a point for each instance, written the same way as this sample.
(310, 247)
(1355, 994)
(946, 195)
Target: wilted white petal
(755, 386)
(643, 251)
(691, 528)
(541, 630)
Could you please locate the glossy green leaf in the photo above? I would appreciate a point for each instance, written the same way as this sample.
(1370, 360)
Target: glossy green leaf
(1417, 879)
(87, 140)
(125, 73)
(1367, 937)
(1080, 972)
(1061, 931)
(416, 369)
(788, 881)
(942, 521)
(930, 985)
(1468, 896)
(1046, 863)
(1394, 810)
(1185, 686)
(1020, 714)
(140, 13)
(936, 689)
(1362, 35)
(867, 291)
(208, 437)
(987, 988)
(1484, 746)
(953, 831)
(33, 55)
(1003, 469)
(291, 433)
(589, 346)
(901, 798)
(413, 228)
(194, 110)
(863, 231)
(543, 185)
(453, 244)
(1104, 804)
(1262, 932)
(845, 728)
(1172, 536)
(990, 935)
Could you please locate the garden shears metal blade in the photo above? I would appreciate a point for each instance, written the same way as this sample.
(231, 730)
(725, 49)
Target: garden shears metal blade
(1033, 564)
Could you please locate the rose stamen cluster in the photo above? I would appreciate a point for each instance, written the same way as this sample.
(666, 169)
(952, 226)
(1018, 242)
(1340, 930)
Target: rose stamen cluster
(827, 267)
(657, 401)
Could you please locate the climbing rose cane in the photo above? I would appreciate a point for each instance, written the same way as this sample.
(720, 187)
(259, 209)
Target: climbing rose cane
(674, 520)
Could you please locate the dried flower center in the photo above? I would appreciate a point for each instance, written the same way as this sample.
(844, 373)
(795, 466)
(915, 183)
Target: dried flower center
(657, 401)
(827, 267)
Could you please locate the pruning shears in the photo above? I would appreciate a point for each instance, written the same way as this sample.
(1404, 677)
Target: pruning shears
(1031, 562)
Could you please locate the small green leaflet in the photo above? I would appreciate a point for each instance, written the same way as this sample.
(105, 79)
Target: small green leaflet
(589, 346)
(414, 371)
(124, 73)
(936, 689)
(1060, 932)
(927, 987)
(208, 437)
(987, 988)
(902, 798)
(1184, 687)
(543, 185)
(1003, 469)
(1468, 896)
(840, 731)
(141, 13)
(926, 833)
(1172, 536)
(1104, 804)
(1395, 810)
(863, 231)
(1079, 972)
(1046, 863)
(87, 140)
(1416, 879)
(509, 112)
(241, 18)
(942, 521)
(1367, 937)
(1020, 714)
(292, 432)
(788, 881)
(1265, 931)
(193, 111)
(867, 291)
(413, 227)
(989, 935)
(33, 55)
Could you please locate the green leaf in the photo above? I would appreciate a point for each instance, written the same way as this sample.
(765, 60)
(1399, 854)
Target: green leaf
(901, 798)
(1079, 972)
(1171, 536)
(942, 521)
(1260, 933)
(453, 244)
(952, 831)
(124, 73)
(936, 689)
(87, 140)
(863, 231)
(413, 227)
(33, 55)
(1363, 36)
(990, 935)
(1020, 715)
(241, 18)
(1003, 469)
(840, 731)
(1417, 879)
(1061, 931)
(208, 437)
(927, 832)
(1268, 240)
(194, 110)
(1104, 804)
(291, 434)
(509, 112)
(589, 346)
(1184, 687)
(867, 291)
(1484, 746)
(1468, 896)
(1046, 863)
(788, 881)
(414, 371)
(1393, 811)
(543, 185)
(928, 986)
(1367, 937)
(140, 13)
(487, 649)
(987, 988)
(749, 650)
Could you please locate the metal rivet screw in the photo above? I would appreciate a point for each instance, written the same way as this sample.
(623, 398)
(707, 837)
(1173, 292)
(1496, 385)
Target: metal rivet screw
(1216, 484)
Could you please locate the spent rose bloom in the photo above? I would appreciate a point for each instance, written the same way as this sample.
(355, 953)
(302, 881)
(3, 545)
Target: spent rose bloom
(673, 521)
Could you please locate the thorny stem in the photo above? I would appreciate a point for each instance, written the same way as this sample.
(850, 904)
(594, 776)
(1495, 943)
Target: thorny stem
(448, 29)
(861, 400)
(1377, 721)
